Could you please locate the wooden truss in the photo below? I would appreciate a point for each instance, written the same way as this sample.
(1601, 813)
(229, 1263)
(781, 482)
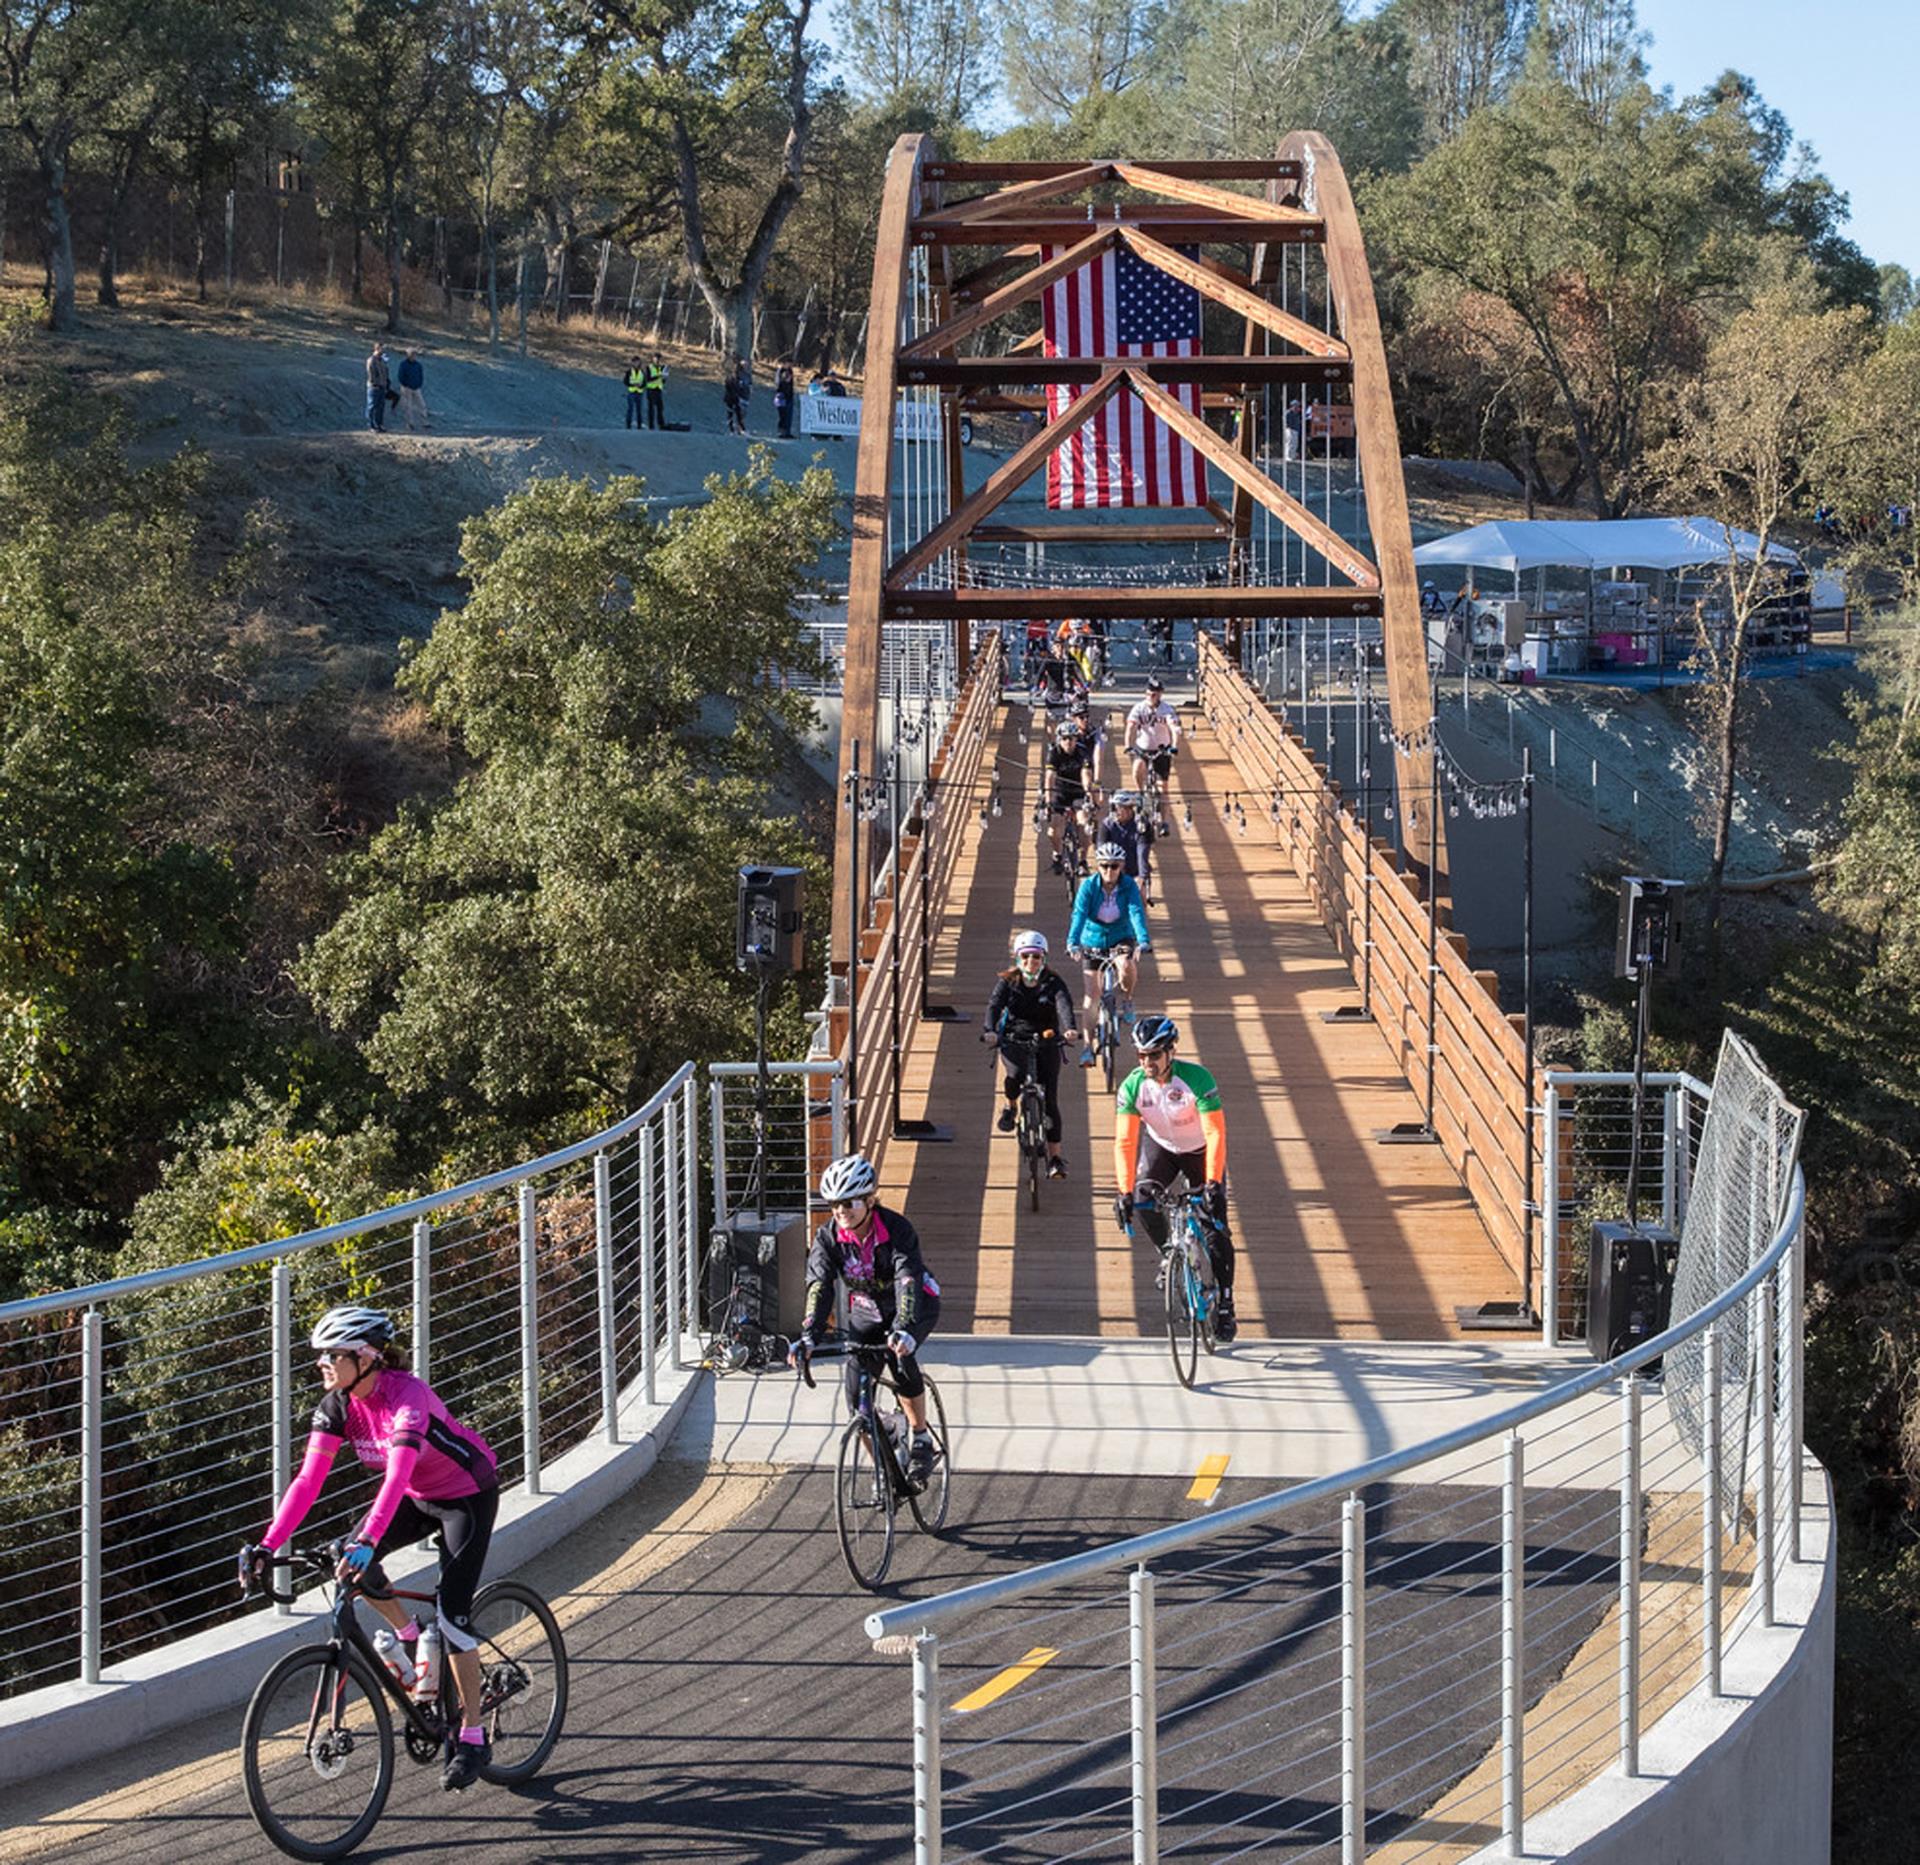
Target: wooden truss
(987, 251)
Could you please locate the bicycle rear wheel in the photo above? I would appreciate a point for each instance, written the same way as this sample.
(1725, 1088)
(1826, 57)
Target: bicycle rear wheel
(1183, 1324)
(863, 1504)
(523, 1679)
(317, 1752)
(929, 1503)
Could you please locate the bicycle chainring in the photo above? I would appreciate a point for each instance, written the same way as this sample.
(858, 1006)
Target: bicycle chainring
(426, 1744)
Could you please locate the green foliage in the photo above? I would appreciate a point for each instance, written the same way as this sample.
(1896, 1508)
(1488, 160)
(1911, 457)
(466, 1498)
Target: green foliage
(540, 948)
(112, 914)
(1596, 234)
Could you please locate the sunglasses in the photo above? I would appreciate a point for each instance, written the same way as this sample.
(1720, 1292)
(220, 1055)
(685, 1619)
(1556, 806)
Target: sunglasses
(846, 1204)
(1111, 867)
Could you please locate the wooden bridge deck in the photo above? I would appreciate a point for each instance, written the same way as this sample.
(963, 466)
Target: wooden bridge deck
(1339, 1237)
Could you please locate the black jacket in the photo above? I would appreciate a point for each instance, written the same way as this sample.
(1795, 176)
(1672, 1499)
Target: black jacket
(896, 1278)
(1046, 1003)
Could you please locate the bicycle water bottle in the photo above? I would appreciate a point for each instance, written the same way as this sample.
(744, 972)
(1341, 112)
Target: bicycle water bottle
(897, 1431)
(386, 1642)
(426, 1666)
(1200, 1257)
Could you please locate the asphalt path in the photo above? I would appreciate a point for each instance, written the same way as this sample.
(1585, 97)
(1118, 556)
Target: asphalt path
(727, 1710)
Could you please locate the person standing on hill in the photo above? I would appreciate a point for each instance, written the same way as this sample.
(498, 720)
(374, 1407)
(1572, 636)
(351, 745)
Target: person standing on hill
(377, 389)
(783, 400)
(656, 385)
(730, 397)
(635, 379)
(743, 387)
(412, 378)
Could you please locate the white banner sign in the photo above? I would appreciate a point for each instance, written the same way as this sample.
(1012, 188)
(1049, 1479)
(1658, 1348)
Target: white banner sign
(840, 414)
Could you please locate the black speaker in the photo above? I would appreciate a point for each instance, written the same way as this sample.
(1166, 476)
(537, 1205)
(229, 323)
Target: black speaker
(1629, 1287)
(768, 935)
(1649, 924)
(766, 1251)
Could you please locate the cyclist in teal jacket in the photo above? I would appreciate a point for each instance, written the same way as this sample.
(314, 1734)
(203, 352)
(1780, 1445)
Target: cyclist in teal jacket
(1109, 915)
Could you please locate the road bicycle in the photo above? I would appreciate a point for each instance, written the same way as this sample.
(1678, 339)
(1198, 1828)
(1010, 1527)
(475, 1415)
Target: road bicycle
(1022, 1041)
(1153, 797)
(1110, 1020)
(1073, 849)
(870, 1479)
(317, 1744)
(1186, 1279)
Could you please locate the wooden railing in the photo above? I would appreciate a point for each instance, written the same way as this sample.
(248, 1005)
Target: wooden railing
(895, 944)
(1473, 1094)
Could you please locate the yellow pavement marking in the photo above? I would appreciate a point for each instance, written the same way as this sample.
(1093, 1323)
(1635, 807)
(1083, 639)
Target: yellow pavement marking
(1208, 1479)
(997, 1687)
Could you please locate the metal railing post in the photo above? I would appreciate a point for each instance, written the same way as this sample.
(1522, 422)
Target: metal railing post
(649, 1326)
(1353, 1681)
(717, 1126)
(1763, 1506)
(603, 1266)
(1146, 1767)
(690, 1194)
(92, 1392)
(1550, 1215)
(281, 1322)
(1513, 1652)
(670, 1225)
(837, 1119)
(1630, 1576)
(1669, 1152)
(422, 1300)
(530, 1335)
(1710, 1494)
(926, 1750)
(1795, 1346)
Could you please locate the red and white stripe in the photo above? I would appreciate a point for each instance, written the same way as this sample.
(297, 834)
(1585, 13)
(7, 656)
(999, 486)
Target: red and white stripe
(1125, 455)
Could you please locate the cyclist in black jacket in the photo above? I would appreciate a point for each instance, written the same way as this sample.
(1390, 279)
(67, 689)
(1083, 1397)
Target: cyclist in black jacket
(1032, 993)
(875, 1252)
(1069, 767)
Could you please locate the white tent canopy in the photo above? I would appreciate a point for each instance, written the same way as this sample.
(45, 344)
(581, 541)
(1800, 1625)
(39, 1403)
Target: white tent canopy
(1598, 544)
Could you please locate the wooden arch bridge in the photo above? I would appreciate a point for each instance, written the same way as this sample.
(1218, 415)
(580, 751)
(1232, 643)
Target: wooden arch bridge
(1311, 969)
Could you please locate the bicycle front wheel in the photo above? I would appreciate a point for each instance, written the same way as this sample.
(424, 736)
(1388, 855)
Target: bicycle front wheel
(863, 1504)
(523, 1679)
(930, 1502)
(317, 1753)
(1183, 1324)
(1033, 1143)
(1109, 1040)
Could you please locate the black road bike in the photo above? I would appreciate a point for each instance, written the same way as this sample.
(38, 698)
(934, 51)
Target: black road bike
(1022, 1043)
(870, 1480)
(1109, 1022)
(317, 1744)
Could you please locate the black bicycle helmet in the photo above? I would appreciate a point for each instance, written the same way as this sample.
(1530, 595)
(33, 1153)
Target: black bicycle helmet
(1156, 1032)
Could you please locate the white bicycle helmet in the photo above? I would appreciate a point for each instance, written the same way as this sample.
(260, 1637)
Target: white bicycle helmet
(1030, 941)
(1125, 799)
(351, 1328)
(1110, 851)
(851, 1177)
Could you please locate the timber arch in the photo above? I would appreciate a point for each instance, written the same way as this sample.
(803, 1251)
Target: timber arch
(1286, 306)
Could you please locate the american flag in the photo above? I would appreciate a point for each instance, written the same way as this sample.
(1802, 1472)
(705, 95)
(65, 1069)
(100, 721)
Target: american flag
(1118, 305)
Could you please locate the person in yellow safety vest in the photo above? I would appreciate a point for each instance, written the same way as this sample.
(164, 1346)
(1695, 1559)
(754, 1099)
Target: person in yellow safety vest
(656, 386)
(635, 379)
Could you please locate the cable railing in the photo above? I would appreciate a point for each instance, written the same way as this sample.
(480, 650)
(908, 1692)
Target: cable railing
(1411, 1658)
(898, 923)
(151, 1422)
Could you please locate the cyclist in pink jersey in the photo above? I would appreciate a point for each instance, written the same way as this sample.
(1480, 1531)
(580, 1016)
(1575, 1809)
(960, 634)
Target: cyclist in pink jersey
(438, 1479)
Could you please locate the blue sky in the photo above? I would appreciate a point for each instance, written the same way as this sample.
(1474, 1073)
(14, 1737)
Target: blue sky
(1846, 75)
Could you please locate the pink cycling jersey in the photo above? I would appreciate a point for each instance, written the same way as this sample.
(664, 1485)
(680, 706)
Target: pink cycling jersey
(401, 1429)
